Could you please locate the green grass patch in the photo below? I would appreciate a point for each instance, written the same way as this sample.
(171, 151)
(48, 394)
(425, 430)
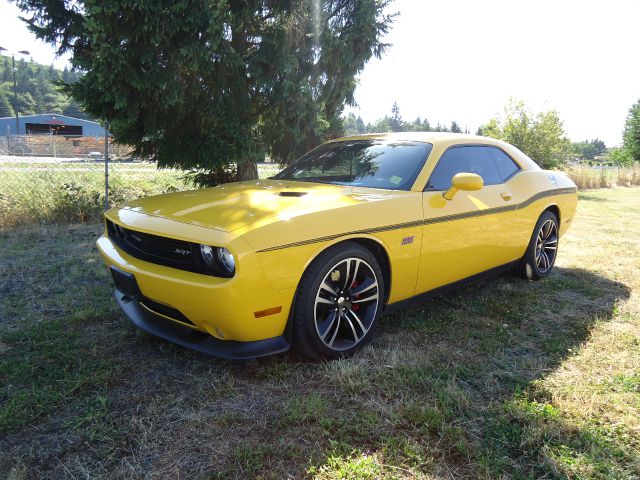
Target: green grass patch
(71, 192)
(504, 379)
(43, 367)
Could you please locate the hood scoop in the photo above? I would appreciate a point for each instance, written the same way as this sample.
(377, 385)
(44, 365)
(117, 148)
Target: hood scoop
(292, 194)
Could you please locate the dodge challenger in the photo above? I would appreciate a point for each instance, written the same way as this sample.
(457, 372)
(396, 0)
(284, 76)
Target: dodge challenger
(312, 257)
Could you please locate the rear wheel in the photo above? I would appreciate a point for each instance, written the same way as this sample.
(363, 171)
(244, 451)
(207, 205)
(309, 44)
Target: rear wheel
(541, 253)
(338, 302)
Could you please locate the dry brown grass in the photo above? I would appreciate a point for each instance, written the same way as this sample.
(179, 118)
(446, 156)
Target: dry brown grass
(586, 177)
(508, 379)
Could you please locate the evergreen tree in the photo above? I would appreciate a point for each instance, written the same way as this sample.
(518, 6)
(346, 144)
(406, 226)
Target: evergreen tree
(396, 118)
(6, 110)
(383, 125)
(74, 110)
(349, 124)
(52, 103)
(38, 87)
(7, 70)
(26, 104)
(631, 135)
(455, 128)
(199, 85)
(588, 149)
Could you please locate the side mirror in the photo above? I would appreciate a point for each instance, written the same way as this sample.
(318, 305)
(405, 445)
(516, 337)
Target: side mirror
(463, 181)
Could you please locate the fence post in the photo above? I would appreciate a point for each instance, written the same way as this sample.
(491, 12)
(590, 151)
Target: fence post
(106, 166)
(53, 143)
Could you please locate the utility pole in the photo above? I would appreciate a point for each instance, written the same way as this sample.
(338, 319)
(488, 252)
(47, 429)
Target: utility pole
(15, 94)
(106, 166)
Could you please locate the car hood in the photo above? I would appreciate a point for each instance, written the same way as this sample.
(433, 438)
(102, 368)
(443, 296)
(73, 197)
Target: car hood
(232, 206)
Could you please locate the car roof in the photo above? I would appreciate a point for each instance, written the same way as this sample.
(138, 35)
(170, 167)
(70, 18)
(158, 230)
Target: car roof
(418, 136)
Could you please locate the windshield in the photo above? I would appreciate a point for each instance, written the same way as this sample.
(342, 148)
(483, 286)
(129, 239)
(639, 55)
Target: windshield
(372, 163)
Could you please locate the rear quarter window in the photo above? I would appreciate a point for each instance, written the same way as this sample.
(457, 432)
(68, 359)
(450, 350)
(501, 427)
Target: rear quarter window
(505, 165)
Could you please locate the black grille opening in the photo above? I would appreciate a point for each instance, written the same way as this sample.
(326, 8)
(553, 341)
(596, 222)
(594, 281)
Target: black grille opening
(161, 250)
(165, 310)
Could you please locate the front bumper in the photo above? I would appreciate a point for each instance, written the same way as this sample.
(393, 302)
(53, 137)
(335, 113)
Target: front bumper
(200, 341)
(224, 308)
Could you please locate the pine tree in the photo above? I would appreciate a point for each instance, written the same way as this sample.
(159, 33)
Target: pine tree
(206, 85)
(27, 105)
(74, 110)
(396, 118)
(38, 87)
(631, 135)
(6, 110)
(7, 70)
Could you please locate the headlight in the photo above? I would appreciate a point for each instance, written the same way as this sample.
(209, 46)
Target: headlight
(227, 262)
(218, 260)
(206, 251)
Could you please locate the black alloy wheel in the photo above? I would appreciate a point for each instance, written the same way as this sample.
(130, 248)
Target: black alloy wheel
(542, 251)
(338, 303)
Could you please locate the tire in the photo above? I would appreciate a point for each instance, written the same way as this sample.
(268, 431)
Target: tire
(540, 257)
(338, 303)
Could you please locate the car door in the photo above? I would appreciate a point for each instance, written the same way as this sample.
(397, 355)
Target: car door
(470, 233)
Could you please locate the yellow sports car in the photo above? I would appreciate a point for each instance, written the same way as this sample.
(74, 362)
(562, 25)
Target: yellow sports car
(311, 257)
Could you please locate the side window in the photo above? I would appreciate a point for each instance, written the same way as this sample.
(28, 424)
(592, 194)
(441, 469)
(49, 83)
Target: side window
(469, 159)
(503, 162)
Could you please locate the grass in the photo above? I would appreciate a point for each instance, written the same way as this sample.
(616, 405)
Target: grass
(506, 379)
(586, 177)
(71, 192)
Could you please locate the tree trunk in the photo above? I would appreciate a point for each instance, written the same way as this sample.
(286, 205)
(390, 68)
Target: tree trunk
(247, 170)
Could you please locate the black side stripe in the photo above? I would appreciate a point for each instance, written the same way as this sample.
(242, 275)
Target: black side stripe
(429, 221)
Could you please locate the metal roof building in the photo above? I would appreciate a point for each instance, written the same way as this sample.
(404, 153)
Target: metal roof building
(50, 123)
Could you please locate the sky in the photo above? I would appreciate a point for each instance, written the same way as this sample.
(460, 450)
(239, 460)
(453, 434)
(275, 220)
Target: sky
(462, 60)
(14, 36)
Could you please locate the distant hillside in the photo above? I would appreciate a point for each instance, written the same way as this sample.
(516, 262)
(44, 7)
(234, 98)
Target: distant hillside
(38, 89)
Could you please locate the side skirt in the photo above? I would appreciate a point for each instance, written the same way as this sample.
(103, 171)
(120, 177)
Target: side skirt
(423, 297)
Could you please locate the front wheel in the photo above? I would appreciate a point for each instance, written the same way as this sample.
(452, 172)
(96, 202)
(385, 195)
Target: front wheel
(541, 253)
(338, 302)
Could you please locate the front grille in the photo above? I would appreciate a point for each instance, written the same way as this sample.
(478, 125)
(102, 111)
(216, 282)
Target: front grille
(160, 250)
(154, 246)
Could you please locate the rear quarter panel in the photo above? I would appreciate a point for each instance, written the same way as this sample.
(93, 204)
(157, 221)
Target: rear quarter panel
(539, 190)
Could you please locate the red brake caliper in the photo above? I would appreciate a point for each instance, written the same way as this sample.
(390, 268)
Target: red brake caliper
(355, 306)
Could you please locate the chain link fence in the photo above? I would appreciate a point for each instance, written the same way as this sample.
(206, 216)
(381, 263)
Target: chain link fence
(63, 146)
(45, 180)
(53, 179)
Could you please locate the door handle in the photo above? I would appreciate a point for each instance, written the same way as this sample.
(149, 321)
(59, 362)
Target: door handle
(506, 196)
